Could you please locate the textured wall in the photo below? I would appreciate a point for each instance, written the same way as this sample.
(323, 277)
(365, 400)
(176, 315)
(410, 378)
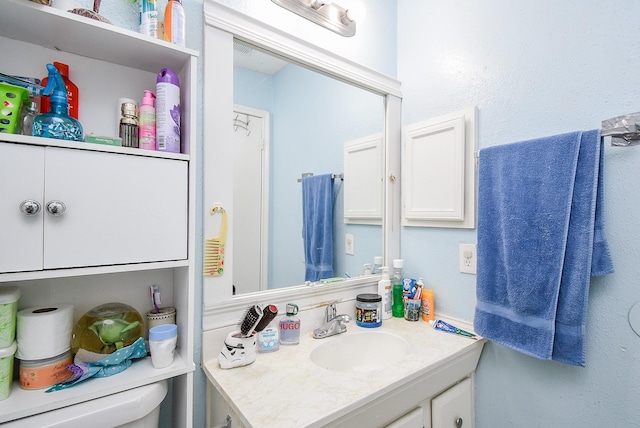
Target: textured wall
(535, 69)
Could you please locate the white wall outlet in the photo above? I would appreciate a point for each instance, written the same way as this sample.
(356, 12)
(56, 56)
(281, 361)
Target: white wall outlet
(468, 258)
(349, 244)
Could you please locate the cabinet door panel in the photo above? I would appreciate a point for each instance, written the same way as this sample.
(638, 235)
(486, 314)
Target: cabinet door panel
(119, 209)
(21, 178)
(454, 407)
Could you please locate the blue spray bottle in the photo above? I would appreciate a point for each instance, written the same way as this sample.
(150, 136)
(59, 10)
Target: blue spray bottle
(57, 123)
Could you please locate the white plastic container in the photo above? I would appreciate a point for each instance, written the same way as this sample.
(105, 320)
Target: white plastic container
(162, 344)
(9, 297)
(6, 370)
(384, 290)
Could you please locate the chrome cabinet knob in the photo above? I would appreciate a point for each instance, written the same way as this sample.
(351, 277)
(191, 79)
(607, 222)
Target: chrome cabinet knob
(459, 423)
(30, 207)
(56, 208)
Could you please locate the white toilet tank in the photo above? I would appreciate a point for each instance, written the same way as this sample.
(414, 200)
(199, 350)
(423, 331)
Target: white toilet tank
(134, 408)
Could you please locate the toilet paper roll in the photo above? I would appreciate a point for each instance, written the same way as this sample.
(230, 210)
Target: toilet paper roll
(44, 331)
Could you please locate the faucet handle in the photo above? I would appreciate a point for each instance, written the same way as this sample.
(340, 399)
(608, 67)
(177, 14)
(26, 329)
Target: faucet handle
(330, 311)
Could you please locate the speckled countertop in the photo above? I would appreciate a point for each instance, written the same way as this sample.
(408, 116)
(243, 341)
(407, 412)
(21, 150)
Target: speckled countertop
(286, 389)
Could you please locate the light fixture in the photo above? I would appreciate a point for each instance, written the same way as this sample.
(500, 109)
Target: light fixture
(329, 15)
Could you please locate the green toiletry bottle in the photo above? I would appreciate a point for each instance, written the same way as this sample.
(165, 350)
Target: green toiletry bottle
(397, 309)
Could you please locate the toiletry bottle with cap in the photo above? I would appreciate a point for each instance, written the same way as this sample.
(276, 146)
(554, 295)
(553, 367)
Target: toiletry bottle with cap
(168, 111)
(174, 23)
(290, 326)
(397, 309)
(30, 114)
(129, 125)
(148, 18)
(377, 265)
(56, 122)
(428, 304)
(72, 92)
(147, 122)
(384, 290)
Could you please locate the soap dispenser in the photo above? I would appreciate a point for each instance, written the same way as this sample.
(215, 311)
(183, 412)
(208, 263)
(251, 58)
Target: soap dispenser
(57, 123)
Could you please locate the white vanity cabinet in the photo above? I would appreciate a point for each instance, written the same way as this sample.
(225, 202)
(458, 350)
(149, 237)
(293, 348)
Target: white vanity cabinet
(69, 208)
(454, 407)
(129, 218)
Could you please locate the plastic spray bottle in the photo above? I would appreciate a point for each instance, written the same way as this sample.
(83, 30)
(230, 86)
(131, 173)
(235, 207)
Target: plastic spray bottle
(73, 94)
(147, 122)
(57, 123)
(168, 111)
(174, 23)
(397, 309)
(384, 290)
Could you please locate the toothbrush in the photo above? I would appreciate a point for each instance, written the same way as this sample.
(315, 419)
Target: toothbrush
(155, 298)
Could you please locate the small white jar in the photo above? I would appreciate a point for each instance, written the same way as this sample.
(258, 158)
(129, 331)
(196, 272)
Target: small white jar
(162, 344)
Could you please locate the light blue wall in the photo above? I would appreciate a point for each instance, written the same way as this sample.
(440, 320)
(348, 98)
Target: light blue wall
(535, 69)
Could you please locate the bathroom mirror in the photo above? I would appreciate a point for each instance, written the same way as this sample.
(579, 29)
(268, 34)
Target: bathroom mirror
(225, 25)
(290, 121)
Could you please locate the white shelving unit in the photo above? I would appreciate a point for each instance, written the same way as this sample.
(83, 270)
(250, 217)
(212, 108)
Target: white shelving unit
(109, 63)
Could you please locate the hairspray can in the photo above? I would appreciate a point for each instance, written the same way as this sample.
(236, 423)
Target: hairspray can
(167, 111)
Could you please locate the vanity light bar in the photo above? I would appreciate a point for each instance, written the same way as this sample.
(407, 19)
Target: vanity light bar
(329, 15)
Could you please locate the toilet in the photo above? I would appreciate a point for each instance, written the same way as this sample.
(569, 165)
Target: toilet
(134, 408)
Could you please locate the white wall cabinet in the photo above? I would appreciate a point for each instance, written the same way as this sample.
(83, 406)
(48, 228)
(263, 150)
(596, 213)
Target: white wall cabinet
(438, 171)
(119, 209)
(130, 213)
(363, 180)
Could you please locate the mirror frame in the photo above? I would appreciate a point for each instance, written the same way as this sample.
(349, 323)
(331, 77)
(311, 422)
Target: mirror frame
(221, 25)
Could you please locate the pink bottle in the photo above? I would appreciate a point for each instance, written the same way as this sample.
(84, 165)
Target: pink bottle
(147, 122)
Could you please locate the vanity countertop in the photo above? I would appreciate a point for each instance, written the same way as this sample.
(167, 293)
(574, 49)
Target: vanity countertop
(286, 389)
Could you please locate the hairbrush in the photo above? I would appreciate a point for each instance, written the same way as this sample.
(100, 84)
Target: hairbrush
(250, 320)
(269, 313)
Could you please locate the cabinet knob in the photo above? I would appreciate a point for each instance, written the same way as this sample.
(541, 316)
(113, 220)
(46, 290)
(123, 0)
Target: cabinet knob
(459, 423)
(56, 208)
(30, 207)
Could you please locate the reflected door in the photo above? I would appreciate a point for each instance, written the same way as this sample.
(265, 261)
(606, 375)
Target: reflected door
(250, 200)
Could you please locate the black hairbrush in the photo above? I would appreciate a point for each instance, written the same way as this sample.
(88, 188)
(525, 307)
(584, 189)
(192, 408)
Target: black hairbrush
(268, 314)
(250, 320)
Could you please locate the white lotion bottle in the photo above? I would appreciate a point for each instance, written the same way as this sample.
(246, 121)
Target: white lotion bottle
(384, 290)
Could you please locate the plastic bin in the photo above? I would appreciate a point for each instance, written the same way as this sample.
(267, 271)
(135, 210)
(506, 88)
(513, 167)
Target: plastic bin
(11, 100)
(8, 314)
(6, 370)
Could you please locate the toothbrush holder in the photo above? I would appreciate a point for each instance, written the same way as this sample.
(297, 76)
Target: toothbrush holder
(237, 350)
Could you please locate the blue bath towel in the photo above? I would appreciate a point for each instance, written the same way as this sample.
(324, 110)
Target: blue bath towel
(317, 226)
(540, 239)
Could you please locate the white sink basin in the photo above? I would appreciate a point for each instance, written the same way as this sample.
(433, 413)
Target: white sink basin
(360, 352)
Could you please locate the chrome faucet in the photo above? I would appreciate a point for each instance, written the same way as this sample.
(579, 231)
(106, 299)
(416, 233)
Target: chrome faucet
(334, 324)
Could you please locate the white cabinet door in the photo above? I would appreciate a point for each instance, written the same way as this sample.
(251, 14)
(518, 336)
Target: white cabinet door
(120, 209)
(413, 419)
(363, 180)
(21, 179)
(454, 407)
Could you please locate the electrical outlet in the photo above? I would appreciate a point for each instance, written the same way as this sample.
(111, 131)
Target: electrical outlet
(468, 258)
(349, 244)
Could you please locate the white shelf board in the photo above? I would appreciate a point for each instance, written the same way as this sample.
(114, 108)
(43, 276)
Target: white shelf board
(81, 145)
(22, 403)
(60, 30)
